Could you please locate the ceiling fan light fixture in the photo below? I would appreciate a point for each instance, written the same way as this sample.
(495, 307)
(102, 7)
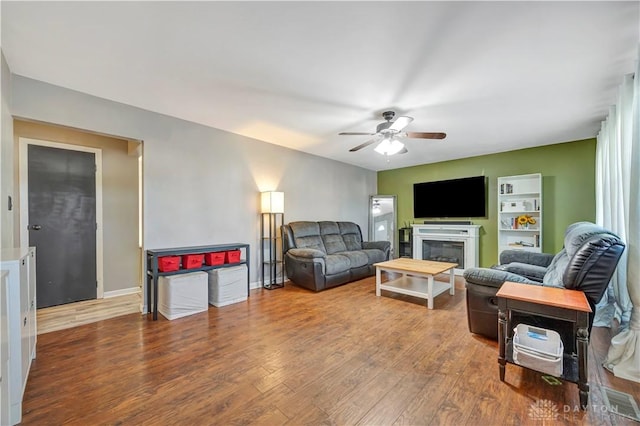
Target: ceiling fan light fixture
(389, 147)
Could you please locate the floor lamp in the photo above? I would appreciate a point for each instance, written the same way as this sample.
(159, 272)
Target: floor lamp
(271, 220)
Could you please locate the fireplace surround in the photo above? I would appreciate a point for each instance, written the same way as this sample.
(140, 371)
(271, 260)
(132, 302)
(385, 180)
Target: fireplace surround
(447, 243)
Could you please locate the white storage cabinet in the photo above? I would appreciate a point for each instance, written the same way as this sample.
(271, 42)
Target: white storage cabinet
(4, 348)
(20, 264)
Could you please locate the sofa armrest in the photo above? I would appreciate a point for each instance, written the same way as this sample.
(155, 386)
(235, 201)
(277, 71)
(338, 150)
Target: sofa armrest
(524, 256)
(384, 246)
(305, 253)
(490, 277)
(533, 272)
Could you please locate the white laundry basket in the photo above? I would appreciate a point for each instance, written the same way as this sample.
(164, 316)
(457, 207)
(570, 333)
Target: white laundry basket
(182, 295)
(538, 349)
(228, 285)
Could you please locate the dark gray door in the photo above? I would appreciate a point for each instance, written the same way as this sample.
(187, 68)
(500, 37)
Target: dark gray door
(62, 224)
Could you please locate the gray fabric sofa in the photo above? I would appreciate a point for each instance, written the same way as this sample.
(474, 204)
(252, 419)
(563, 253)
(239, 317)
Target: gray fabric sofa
(321, 255)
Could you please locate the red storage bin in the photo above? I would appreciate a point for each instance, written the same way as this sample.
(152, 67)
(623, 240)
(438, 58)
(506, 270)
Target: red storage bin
(214, 258)
(233, 256)
(192, 261)
(168, 263)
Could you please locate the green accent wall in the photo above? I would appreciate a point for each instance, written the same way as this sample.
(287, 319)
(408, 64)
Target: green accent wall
(568, 188)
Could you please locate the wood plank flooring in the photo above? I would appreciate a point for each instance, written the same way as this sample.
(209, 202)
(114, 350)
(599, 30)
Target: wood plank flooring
(74, 314)
(292, 357)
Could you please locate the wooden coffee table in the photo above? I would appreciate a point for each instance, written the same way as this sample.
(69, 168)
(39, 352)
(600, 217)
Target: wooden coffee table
(417, 278)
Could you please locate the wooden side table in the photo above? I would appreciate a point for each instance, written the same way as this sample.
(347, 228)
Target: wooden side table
(549, 302)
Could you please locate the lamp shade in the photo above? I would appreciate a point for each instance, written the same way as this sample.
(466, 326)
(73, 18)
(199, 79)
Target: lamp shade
(272, 202)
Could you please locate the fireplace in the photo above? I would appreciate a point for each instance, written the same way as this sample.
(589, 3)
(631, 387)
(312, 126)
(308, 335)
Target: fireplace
(447, 243)
(444, 251)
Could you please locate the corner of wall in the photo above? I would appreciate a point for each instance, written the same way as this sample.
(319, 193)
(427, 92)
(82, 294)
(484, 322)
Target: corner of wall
(6, 158)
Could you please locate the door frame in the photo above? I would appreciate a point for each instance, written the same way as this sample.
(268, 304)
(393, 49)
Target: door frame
(24, 198)
(388, 199)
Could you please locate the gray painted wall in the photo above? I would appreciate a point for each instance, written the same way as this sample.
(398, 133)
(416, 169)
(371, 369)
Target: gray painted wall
(201, 185)
(6, 158)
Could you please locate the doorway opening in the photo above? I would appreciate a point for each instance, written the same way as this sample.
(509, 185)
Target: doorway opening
(118, 212)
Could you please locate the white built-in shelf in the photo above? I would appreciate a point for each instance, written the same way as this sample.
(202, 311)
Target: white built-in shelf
(520, 196)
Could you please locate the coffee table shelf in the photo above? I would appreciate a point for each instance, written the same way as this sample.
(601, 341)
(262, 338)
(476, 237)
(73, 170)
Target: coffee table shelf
(414, 286)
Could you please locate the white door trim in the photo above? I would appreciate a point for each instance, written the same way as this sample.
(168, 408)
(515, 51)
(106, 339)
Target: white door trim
(24, 199)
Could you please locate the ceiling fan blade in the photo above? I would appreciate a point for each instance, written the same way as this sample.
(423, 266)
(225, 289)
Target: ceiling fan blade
(356, 134)
(424, 135)
(403, 150)
(400, 123)
(362, 145)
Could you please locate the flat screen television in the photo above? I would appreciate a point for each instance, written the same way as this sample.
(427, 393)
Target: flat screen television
(454, 198)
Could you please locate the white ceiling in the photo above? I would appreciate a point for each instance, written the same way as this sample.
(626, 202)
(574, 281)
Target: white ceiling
(495, 76)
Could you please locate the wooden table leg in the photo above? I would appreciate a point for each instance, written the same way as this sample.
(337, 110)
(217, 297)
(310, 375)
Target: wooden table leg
(378, 281)
(502, 334)
(582, 343)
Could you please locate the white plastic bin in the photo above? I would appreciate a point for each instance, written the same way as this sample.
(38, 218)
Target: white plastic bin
(538, 349)
(182, 295)
(228, 285)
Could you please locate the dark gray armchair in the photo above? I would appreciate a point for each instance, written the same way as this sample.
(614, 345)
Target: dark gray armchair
(587, 262)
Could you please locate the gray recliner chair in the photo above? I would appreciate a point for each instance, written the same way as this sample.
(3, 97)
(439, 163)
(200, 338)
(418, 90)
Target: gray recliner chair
(587, 262)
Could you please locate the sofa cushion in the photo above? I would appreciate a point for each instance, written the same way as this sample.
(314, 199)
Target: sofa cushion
(336, 263)
(531, 271)
(351, 235)
(307, 235)
(493, 277)
(357, 258)
(330, 234)
(375, 255)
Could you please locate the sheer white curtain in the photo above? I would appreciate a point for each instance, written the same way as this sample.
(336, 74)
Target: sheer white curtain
(618, 209)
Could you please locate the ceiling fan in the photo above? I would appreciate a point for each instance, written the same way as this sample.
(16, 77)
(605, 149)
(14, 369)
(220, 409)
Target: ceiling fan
(389, 134)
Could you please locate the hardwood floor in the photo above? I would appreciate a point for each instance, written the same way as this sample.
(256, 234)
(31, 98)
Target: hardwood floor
(74, 314)
(290, 356)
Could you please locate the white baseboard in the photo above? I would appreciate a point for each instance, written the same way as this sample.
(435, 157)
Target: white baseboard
(121, 292)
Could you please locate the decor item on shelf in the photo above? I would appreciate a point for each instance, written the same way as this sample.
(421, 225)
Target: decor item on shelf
(272, 218)
(524, 220)
(389, 134)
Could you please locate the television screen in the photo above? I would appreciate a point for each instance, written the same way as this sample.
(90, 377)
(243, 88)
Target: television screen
(465, 197)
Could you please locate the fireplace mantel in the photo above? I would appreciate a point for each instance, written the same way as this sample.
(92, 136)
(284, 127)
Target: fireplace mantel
(467, 234)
